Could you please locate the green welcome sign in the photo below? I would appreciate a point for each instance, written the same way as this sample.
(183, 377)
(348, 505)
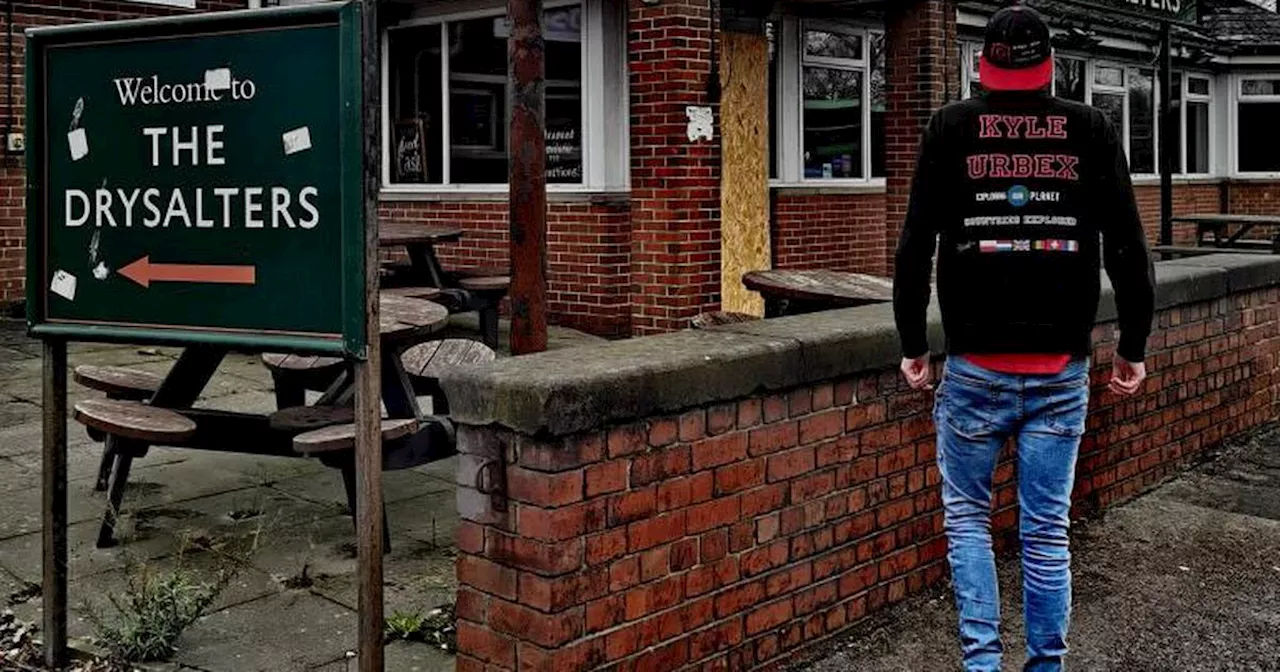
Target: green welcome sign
(198, 179)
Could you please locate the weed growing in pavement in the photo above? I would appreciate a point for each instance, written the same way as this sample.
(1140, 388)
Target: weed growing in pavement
(437, 627)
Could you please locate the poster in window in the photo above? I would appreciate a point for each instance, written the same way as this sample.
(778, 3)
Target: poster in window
(410, 157)
(563, 139)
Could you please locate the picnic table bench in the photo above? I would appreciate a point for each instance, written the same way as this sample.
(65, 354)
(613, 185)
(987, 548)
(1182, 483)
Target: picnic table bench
(1217, 225)
(168, 417)
(792, 292)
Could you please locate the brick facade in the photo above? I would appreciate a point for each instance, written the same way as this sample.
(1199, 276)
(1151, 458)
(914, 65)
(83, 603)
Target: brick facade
(32, 14)
(841, 231)
(741, 535)
(921, 76)
(675, 182)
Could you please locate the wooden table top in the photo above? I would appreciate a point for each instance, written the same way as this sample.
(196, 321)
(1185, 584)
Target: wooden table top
(1218, 218)
(835, 287)
(402, 318)
(407, 233)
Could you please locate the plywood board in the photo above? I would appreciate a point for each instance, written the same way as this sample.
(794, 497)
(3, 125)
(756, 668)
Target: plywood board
(744, 176)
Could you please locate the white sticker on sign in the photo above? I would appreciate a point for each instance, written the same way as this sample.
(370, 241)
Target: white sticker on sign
(101, 271)
(64, 285)
(217, 79)
(297, 140)
(79, 142)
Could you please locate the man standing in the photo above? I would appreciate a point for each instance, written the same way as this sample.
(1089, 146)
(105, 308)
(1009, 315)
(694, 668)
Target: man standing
(1022, 193)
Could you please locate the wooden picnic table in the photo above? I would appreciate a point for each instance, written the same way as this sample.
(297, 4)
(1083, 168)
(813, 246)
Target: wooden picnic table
(1217, 225)
(419, 240)
(404, 322)
(792, 292)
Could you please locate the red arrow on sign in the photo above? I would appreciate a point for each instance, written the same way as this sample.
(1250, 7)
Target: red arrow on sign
(144, 273)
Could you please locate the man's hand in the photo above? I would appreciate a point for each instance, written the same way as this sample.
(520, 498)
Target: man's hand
(917, 372)
(1126, 376)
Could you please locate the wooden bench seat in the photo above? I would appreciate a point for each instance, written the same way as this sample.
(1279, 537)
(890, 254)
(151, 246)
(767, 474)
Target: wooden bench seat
(118, 382)
(293, 375)
(428, 293)
(426, 361)
(343, 437)
(135, 420)
(488, 292)
(302, 419)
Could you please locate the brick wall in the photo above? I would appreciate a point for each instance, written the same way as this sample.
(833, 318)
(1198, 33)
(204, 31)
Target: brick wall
(921, 76)
(1187, 199)
(587, 250)
(1254, 198)
(837, 231)
(675, 183)
(737, 536)
(31, 14)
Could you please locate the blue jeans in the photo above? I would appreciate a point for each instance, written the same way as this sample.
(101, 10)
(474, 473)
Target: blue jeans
(976, 412)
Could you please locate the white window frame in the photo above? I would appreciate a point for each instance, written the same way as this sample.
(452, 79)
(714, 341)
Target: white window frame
(1188, 97)
(605, 92)
(1237, 99)
(789, 88)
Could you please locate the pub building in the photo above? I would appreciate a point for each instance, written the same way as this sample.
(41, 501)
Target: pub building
(690, 141)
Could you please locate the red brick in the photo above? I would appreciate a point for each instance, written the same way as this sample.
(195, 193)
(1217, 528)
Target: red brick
(551, 524)
(548, 559)
(714, 545)
(721, 418)
(718, 638)
(741, 476)
(604, 547)
(487, 576)
(719, 450)
(716, 513)
(472, 605)
(657, 530)
(605, 613)
(485, 644)
(775, 408)
(663, 432)
(560, 593)
(654, 597)
(765, 499)
(543, 489)
(548, 630)
(470, 537)
(655, 562)
(684, 554)
(659, 465)
(824, 425)
(789, 464)
(864, 415)
(749, 413)
(764, 558)
(739, 599)
(742, 535)
(772, 438)
(632, 506)
(693, 425)
(606, 477)
(894, 512)
(768, 616)
(624, 573)
(626, 440)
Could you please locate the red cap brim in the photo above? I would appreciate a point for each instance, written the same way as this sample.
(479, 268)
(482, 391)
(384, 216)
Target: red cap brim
(995, 78)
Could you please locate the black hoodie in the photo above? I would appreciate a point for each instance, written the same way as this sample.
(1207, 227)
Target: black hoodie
(1023, 193)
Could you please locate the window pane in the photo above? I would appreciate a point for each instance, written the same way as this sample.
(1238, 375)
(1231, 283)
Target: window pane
(1198, 86)
(832, 45)
(975, 58)
(1108, 76)
(879, 104)
(1261, 87)
(414, 80)
(479, 107)
(1068, 75)
(1112, 107)
(1258, 139)
(1198, 138)
(832, 123)
(1142, 122)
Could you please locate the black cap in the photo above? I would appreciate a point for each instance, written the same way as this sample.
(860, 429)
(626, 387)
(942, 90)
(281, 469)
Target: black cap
(1018, 53)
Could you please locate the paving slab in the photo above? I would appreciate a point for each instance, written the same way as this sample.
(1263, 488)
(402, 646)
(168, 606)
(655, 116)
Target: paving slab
(399, 657)
(291, 630)
(325, 486)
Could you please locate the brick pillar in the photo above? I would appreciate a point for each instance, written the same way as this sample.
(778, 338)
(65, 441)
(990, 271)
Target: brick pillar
(922, 75)
(675, 181)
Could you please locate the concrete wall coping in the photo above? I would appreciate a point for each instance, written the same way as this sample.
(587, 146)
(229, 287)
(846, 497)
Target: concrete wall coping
(567, 391)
